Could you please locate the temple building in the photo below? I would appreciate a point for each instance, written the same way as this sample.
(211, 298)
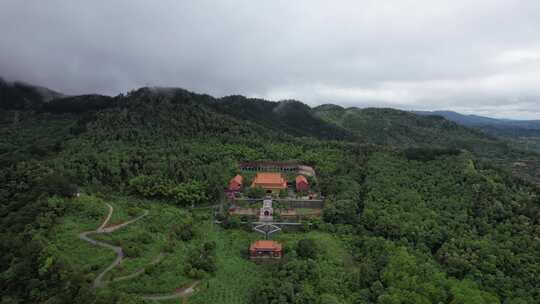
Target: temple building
(272, 182)
(301, 183)
(235, 185)
(265, 249)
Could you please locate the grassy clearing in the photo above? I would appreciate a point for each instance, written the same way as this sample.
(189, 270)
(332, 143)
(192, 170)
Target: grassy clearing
(150, 236)
(164, 277)
(232, 282)
(146, 245)
(145, 239)
(234, 278)
(236, 275)
(86, 213)
(121, 214)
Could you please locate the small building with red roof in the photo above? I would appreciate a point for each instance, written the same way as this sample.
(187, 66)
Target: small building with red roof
(301, 183)
(235, 184)
(265, 249)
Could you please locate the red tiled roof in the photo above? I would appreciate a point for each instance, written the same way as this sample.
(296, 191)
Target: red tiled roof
(301, 178)
(269, 180)
(268, 164)
(238, 179)
(235, 183)
(265, 245)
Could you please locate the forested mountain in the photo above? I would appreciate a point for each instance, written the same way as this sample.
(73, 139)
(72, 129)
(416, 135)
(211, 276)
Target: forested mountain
(290, 116)
(524, 134)
(393, 127)
(478, 121)
(508, 128)
(19, 95)
(400, 128)
(411, 216)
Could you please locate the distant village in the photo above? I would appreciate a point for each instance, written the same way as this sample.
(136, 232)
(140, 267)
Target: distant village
(270, 196)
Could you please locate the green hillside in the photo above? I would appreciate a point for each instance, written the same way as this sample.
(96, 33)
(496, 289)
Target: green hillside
(407, 218)
(391, 127)
(20, 95)
(400, 128)
(292, 117)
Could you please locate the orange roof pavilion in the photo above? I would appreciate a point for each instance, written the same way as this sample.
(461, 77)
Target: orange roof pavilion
(269, 180)
(265, 245)
(265, 249)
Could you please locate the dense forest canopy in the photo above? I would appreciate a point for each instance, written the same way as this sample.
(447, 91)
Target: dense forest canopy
(424, 215)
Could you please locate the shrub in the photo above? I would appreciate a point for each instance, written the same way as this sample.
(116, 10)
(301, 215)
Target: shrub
(201, 260)
(307, 249)
(183, 231)
(169, 246)
(56, 184)
(183, 194)
(256, 192)
(144, 238)
(131, 250)
(191, 193)
(231, 222)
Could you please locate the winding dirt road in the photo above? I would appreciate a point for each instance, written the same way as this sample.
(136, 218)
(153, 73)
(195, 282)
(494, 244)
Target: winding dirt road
(181, 293)
(98, 282)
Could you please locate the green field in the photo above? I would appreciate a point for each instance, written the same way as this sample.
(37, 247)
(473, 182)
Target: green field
(86, 213)
(235, 276)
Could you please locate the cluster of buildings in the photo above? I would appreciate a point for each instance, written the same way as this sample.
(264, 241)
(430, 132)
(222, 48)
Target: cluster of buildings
(272, 182)
(271, 177)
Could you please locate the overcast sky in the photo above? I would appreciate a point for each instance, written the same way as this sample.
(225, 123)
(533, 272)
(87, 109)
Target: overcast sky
(471, 56)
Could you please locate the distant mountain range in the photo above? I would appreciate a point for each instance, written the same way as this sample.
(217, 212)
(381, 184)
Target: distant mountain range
(382, 126)
(493, 126)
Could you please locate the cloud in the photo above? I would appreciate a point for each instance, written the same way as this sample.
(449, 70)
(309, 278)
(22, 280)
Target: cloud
(472, 55)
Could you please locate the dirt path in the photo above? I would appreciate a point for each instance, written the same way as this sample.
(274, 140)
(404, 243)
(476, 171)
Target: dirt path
(107, 219)
(140, 271)
(181, 293)
(98, 282)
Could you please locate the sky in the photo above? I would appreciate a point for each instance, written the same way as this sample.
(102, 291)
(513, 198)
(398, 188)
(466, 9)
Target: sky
(471, 56)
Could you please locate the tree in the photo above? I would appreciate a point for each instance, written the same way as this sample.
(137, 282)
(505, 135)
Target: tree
(183, 230)
(56, 184)
(201, 259)
(190, 193)
(256, 192)
(307, 249)
(345, 211)
(467, 292)
(150, 186)
(306, 295)
(329, 299)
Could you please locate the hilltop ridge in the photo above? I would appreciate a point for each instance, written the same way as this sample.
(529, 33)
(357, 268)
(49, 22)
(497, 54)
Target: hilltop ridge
(379, 126)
